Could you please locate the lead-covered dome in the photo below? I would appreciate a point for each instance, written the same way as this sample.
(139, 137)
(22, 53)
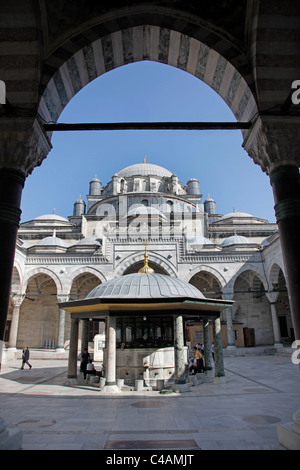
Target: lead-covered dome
(52, 241)
(144, 169)
(51, 217)
(235, 240)
(145, 286)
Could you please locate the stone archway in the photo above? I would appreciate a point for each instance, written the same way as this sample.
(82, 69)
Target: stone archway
(38, 319)
(221, 47)
(82, 285)
(157, 262)
(259, 38)
(207, 283)
(134, 268)
(154, 43)
(252, 307)
(282, 304)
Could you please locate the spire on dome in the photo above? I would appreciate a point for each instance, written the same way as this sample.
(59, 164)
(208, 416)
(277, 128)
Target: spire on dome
(146, 268)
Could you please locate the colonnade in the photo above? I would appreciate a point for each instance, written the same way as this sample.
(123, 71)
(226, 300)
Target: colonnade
(180, 365)
(60, 340)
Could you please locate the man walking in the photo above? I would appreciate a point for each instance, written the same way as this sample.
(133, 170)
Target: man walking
(25, 358)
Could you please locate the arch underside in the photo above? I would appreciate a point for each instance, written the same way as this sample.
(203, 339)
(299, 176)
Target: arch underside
(151, 43)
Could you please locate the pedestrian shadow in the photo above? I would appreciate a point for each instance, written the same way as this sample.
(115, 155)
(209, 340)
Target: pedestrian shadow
(32, 376)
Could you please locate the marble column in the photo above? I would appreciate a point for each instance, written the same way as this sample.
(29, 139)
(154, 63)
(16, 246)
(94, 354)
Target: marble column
(180, 373)
(84, 335)
(272, 297)
(230, 332)
(61, 324)
(218, 350)
(23, 145)
(110, 368)
(73, 353)
(285, 182)
(207, 347)
(11, 187)
(13, 335)
(274, 143)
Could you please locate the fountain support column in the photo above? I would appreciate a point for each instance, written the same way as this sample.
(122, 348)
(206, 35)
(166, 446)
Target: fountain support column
(180, 380)
(111, 384)
(73, 353)
(218, 350)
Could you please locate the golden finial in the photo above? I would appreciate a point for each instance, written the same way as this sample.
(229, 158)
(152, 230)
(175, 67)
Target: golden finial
(146, 268)
(144, 158)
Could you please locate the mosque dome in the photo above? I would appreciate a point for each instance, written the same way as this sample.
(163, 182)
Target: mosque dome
(236, 215)
(145, 286)
(144, 169)
(52, 217)
(235, 240)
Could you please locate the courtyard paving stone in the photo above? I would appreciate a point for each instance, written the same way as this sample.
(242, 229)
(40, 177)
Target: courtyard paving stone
(240, 414)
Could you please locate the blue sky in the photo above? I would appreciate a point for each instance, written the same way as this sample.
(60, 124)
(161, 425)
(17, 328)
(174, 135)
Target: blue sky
(148, 91)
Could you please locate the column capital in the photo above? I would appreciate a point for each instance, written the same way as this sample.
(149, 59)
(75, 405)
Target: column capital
(272, 296)
(62, 298)
(17, 299)
(24, 144)
(228, 295)
(274, 141)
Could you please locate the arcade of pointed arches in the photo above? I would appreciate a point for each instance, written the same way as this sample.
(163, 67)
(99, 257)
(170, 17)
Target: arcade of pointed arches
(38, 301)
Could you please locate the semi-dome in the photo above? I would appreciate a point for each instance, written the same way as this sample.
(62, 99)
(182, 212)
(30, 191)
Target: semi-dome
(145, 286)
(144, 169)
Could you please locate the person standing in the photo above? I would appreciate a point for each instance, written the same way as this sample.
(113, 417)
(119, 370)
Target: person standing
(199, 359)
(85, 357)
(25, 358)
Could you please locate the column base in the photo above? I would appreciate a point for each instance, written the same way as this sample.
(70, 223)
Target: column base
(231, 347)
(181, 388)
(71, 381)
(287, 437)
(111, 389)
(10, 439)
(278, 345)
(219, 380)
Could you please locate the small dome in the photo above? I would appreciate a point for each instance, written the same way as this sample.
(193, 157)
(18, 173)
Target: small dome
(52, 241)
(90, 241)
(144, 169)
(95, 180)
(197, 240)
(235, 240)
(53, 217)
(210, 199)
(235, 215)
(145, 286)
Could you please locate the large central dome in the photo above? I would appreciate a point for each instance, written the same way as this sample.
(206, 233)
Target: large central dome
(144, 169)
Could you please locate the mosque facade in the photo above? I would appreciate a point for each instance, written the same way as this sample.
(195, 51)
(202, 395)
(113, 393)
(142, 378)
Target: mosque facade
(234, 256)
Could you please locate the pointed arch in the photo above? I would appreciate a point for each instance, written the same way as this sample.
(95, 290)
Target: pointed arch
(38, 271)
(154, 43)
